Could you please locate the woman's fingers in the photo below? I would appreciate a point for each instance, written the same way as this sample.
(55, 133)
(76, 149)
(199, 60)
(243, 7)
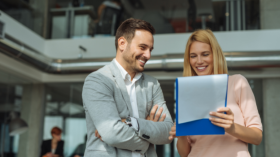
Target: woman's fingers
(219, 120)
(225, 109)
(171, 137)
(225, 121)
(226, 126)
(172, 133)
(221, 115)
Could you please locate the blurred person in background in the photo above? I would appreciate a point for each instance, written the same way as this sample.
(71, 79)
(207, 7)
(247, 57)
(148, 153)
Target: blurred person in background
(116, 4)
(80, 150)
(54, 146)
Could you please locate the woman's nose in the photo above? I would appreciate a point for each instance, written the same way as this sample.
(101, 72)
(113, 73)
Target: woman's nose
(199, 60)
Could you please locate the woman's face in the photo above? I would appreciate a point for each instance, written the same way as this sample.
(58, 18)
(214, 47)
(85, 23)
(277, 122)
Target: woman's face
(201, 58)
(57, 137)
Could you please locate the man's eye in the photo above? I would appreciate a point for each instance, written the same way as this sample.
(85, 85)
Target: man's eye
(142, 48)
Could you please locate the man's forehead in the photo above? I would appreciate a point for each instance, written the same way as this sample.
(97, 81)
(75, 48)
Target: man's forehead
(143, 37)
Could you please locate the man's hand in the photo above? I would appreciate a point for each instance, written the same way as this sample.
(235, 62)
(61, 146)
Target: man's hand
(97, 135)
(155, 118)
(151, 117)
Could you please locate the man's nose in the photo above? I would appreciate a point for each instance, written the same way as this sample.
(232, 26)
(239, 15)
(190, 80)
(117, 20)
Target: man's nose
(147, 54)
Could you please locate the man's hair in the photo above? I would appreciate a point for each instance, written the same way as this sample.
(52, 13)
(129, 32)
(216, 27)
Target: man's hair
(128, 27)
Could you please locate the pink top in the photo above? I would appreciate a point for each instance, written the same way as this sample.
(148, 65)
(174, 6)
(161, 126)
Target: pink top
(241, 100)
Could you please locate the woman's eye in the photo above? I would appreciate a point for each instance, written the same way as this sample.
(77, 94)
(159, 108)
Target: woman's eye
(206, 54)
(142, 48)
(192, 56)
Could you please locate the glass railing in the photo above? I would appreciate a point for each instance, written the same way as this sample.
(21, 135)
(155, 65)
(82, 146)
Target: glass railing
(91, 19)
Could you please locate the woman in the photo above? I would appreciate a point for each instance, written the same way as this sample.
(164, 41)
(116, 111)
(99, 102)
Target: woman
(54, 146)
(242, 124)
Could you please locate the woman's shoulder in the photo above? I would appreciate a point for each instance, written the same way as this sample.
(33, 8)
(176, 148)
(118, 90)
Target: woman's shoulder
(238, 80)
(46, 142)
(237, 77)
(61, 141)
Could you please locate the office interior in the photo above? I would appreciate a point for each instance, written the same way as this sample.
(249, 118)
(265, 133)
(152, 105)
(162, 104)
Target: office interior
(48, 47)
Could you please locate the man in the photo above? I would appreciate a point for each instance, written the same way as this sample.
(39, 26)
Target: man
(121, 102)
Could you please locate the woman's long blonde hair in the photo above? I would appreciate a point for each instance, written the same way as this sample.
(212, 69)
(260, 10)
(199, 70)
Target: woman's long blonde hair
(205, 36)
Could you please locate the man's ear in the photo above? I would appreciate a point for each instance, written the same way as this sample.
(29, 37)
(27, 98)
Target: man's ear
(122, 43)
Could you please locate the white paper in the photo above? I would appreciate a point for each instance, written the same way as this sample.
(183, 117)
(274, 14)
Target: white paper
(198, 95)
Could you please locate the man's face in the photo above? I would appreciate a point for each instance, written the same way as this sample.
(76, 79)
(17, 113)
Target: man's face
(138, 51)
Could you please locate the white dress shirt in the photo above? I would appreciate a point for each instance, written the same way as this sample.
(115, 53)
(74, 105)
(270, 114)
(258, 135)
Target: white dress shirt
(130, 86)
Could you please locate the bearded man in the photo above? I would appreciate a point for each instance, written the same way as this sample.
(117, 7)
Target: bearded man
(126, 114)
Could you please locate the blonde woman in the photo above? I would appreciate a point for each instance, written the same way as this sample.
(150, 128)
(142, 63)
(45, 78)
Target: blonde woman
(242, 124)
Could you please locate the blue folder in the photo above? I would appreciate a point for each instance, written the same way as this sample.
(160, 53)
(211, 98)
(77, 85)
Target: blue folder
(199, 126)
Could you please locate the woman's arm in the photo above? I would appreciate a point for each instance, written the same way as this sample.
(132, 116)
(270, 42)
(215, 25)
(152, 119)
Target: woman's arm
(183, 145)
(252, 131)
(249, 135)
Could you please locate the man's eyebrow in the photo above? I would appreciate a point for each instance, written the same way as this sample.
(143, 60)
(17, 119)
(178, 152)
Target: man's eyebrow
(146, 46)
(143, 45)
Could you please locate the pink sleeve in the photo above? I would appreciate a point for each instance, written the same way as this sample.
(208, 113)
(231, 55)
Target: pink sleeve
(248, 104)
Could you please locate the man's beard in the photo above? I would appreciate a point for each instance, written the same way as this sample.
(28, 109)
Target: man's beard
(131, 60)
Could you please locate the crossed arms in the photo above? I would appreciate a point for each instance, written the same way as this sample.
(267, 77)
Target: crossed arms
(100, 105)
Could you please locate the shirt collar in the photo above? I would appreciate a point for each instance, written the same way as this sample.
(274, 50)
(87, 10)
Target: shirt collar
(125, 74)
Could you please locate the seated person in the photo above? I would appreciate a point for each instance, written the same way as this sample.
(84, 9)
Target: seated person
(54, 146)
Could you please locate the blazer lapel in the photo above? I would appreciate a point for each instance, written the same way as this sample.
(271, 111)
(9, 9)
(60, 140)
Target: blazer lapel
(141, 98)
(120, 83)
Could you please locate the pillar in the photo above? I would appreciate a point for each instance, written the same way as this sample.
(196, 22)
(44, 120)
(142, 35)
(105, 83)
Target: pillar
(32, 111)
(271, 98)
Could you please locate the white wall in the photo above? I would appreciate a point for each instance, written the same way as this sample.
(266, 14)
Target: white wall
(22, 33)
(237, 41)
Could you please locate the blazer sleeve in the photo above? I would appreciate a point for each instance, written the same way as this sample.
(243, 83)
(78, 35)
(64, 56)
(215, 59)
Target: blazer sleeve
(60, 149)
(99, 103)
(44, 148)
(156, 132)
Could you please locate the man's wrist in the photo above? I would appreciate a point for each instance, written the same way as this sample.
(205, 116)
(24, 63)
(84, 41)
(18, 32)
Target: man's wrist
(135, 124)
(128, 121)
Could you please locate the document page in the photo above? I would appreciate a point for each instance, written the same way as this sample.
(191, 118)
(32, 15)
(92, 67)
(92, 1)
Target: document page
(198, 95)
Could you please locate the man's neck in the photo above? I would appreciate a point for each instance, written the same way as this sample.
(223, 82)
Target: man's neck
(126, 68)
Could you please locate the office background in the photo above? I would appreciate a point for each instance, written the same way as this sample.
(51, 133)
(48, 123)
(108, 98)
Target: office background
(48, 47)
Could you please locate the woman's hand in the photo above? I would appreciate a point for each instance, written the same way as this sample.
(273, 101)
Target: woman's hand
(172, 133)
(225, 121)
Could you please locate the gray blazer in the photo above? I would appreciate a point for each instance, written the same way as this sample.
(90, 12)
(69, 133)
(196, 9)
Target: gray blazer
(106, 102)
